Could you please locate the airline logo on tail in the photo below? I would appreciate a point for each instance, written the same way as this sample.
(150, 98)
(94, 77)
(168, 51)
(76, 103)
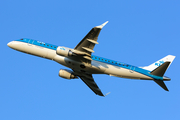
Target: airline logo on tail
(159, 63)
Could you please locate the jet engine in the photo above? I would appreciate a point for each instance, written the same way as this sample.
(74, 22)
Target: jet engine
(64, 51)
(67, 74)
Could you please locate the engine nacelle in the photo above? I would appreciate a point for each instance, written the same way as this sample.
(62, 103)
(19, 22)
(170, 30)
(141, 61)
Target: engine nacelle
(64, 51)
(67, 74)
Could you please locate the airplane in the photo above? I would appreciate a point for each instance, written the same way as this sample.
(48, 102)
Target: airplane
(83, 64)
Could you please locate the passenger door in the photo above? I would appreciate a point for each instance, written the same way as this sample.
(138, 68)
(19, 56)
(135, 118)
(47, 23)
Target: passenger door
(30, 42)
(132, 68)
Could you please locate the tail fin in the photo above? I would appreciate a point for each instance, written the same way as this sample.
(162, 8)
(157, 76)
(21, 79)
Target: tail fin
(159, 68)
(167, 59)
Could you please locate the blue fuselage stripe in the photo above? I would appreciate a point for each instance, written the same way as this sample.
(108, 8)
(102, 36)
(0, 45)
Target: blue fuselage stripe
(126, 66)
(38, 43)
(96, 58)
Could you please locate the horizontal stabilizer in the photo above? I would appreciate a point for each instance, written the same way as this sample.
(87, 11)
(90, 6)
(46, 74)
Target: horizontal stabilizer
(161, 83)
(161, 69)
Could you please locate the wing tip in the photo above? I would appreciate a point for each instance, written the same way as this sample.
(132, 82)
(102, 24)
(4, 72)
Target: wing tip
(107, 94)
(102, 25)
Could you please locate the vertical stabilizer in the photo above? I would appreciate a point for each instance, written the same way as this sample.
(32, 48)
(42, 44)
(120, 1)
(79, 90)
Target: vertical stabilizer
(158, 63)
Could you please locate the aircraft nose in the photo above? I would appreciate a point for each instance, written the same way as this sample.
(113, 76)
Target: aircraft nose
(9, 44)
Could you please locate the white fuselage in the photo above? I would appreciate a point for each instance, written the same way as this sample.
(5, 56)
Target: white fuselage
(96, 67)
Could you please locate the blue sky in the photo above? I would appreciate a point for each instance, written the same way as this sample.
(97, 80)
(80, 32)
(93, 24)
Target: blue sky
(139, 33)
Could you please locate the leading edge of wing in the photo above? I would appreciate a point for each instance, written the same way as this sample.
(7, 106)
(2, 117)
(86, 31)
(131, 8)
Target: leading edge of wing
(89, 81)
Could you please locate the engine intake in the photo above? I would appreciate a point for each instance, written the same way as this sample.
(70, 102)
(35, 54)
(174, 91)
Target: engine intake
(67, 74)
(64, 51)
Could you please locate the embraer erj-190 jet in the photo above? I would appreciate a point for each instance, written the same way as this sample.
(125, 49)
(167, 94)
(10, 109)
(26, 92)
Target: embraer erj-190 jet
(84, 64)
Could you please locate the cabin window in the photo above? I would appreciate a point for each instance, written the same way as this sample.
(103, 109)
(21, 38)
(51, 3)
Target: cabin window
(105, 60)
(47, 45)
(95, 57)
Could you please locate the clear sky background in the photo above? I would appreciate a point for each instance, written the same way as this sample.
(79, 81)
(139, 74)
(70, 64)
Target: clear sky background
(139, 32)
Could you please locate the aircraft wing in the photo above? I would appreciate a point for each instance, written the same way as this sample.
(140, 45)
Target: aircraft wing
(89, 81)
(87, 44)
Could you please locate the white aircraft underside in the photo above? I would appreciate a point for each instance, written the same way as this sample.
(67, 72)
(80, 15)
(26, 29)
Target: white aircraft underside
(83, 64)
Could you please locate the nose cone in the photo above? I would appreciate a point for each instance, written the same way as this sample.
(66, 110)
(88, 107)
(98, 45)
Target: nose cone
(9, 44)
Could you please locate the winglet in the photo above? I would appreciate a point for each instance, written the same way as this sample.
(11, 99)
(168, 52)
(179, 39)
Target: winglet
(107, 94)
(101, 26)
